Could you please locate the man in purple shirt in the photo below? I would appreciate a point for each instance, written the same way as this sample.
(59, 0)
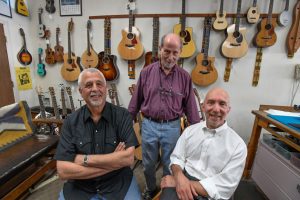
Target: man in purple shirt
(164, 93)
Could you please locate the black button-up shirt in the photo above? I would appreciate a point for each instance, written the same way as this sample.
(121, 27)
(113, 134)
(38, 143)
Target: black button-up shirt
(80, 135)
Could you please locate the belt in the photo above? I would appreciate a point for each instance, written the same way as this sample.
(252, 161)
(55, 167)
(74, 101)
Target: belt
(161, 120)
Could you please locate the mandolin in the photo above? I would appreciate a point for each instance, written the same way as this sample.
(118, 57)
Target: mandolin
(21, 8)
(186, 35)
(284, 18)
(205, 72)
(49, 59)
(58, 49)
(50, 8)
(70, 69)
(107, 62)
(152, 56)
(24, 57)
(41, 66)
(220, 22)
(253, 13)
(235, 44)
(41, 26)
(130, 47)
(266, 36)
(89, 57)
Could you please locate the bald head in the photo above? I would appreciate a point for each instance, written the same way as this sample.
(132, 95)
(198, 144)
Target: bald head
(171, 37)
(218, 92)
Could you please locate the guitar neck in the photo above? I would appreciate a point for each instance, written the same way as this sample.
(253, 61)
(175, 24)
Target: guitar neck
(287, 2)
(40, 58)
(221, 7)
(54, 103)
(72, 103)
(40, 18)
(270, 11)
(131, 21)
(155, 36)
(207, 28)
(57, 38)
(42, 107)
(107, 35)
(69, 45)
(183, 17)
(88, 42)
(238, 12)
(63, 103)
(254, 3)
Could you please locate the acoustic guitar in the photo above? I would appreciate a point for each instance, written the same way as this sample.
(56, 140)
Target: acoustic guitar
(186, 35)
(152, 56)
(205, 72)
(41, 66)
(21, 8)
(89, 58)
(284, 18)
(107, 62)
(69, 92)
(253, 13)
(24, 57)
(49, 59)
(235, 44)
(130, 47)
(266, 36)
(70, 69)
(41, 26)
(58, 49)
(50, 8)
(220, 22)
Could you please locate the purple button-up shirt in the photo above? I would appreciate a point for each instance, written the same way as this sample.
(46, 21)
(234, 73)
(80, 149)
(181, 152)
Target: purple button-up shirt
(164, 97)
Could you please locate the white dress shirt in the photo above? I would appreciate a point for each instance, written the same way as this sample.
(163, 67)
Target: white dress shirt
(216, 157)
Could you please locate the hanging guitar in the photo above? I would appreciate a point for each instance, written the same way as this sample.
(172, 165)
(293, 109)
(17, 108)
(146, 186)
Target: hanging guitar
(24, 57)
(58, 49)
(284, 18)
(49, 59)
(89, 57)
(220, 22)
(186, 35)
(107, 62)
(152, 56)
(41, 26)
(253, 13)
(50, 8)
(41, 66)
(21, 8)
(293, 37)
(205, 72)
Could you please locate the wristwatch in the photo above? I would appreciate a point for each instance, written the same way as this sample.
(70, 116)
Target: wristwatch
(85, 160)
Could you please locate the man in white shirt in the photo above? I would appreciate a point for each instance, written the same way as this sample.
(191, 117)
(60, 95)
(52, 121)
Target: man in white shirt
(209, 157)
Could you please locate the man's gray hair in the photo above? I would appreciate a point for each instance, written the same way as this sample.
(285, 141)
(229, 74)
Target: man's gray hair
(91, 70)
(162, 40)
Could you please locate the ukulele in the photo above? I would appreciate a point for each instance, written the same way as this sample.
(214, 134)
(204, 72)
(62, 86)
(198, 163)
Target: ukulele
(49, 59)
(41, 66)
(186, 35)
(54, 103)
(205, 72)
(21, 8)
(293, 37)
(41, 26)
(24, 57)
(284, 18)
(152, 56)
(58, 49)
(70, 69)
(235, 45)
(89, 58)
(220, 22)
(50, 8)
(107, 62)
(69, 91)
(63, 102)
(130, 47)
(253, 13)
(266, 36)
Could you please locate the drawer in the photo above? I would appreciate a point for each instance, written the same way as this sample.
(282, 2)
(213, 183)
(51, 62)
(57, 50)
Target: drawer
(279, 170)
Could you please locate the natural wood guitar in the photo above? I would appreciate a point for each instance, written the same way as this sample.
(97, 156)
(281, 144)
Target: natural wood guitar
(49, 59)
(205, 72)
(24, 57)
(58, 49)
(152, 56)
(235, 45)
(89, 57)
(21, 8)
(220, 22)
(186, 35)
(70, 69)
(253, 13)
(130, 47)
(266, 36)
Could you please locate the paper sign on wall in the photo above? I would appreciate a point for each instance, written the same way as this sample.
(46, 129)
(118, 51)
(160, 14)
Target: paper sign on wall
(23, 78)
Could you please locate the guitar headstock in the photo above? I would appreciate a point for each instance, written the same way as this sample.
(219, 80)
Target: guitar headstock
(47, 34)
(131, 5)
(111, 93)
(52, 92)
(70, 25)
(40, 11)
(89, 25)
(62, 87)
(40, 51)
(69, 91)
(39, 90)
(57, 30)
(22, 32)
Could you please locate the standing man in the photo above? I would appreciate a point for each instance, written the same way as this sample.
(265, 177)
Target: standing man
(209, 157)
(96, 147)
(164, 93)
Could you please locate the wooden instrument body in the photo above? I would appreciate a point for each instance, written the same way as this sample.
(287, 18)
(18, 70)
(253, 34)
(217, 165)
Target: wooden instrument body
(266, 36)
(293, 39)
(149, 58)
(70, 69)
(24, 57)
(59, 53)
(253, 15)
(189, 47)
(220, 22)
(50, 8)
(89, 58)
(107, 65)
(49, 59)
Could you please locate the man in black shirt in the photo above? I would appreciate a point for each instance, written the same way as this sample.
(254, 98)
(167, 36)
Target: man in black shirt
(96, 146)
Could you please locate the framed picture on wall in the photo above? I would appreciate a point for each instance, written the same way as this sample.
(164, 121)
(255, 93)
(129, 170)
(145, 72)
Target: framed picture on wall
(5, 9)
(70, 7)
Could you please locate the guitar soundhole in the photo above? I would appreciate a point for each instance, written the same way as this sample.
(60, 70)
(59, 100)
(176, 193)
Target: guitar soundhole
(268, 26)
(105, 60)
(205, 62)
(70, 61)
(130, 36)
(238, 36)
(253, 11)
(182, 33)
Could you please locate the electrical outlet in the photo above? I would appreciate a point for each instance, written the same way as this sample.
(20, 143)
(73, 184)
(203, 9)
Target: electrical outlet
(297, 72)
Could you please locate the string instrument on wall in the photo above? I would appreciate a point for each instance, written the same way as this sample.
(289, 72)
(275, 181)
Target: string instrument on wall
(49, 59)
(220, 22)
(24, 57)
(116, 96)
(186, 35)
(69, 92)
(205, 72)
(199, 103)
(41, 66)
(284, 18)
(107, 62)
(21, 8)
(266, 36)
(89, 57)
(54, 103)
(253, 13)
(70, 69)
(235, 44)
(152, 56)
(58, 49)
(111, 95)
(293, 37)
(50, 8)
(130, 47)
(41, 26)
(63, 102)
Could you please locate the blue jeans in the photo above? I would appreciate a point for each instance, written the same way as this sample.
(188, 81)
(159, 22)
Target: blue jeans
(154, 136)
(132, 193)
